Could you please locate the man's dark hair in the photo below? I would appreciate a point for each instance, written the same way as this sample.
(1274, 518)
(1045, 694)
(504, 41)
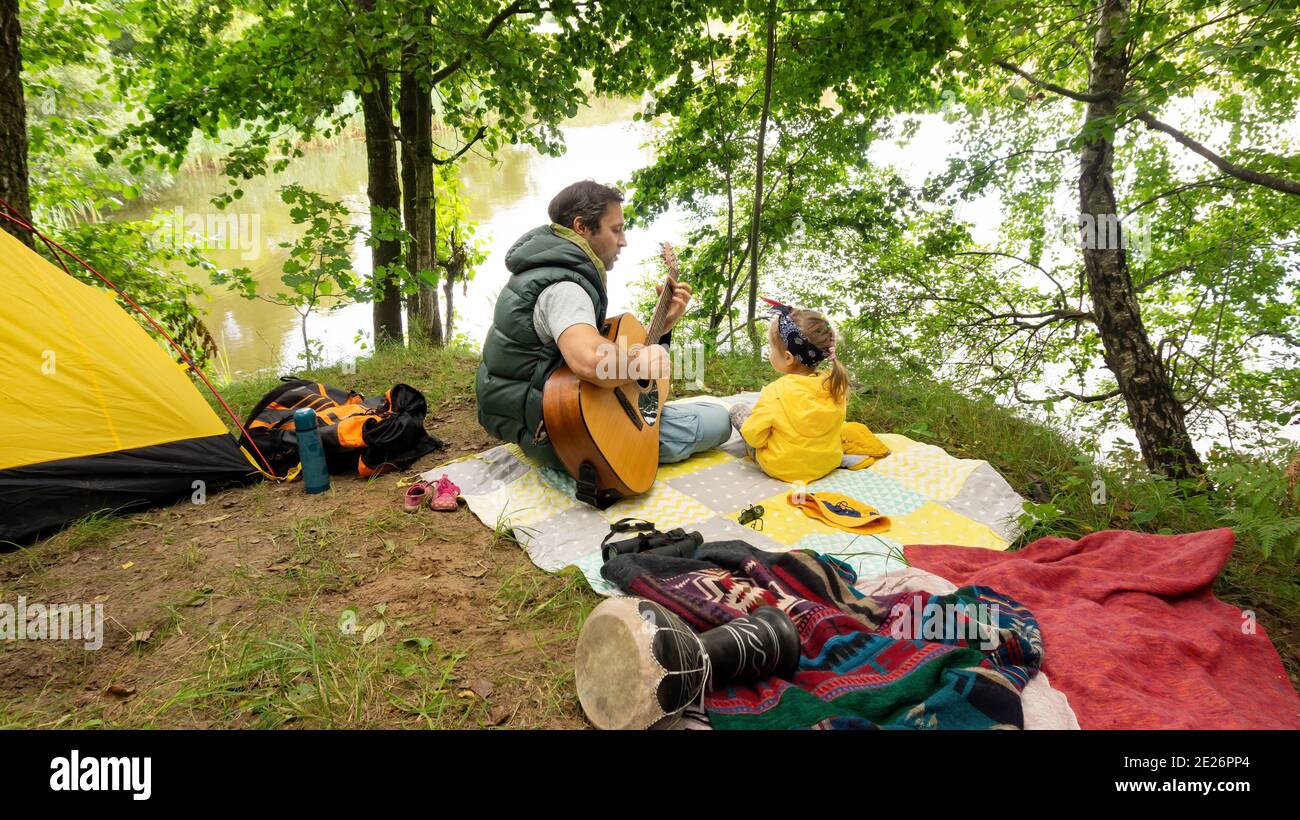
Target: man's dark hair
(586, 199)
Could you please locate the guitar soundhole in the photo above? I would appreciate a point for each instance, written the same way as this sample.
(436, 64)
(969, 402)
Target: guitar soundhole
(648, 402)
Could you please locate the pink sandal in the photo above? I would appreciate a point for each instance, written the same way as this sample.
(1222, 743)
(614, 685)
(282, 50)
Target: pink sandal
(416, 494)
(444, 495)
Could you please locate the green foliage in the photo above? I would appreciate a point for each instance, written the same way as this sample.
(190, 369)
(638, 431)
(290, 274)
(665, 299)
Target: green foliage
(69, 48)
(208, 68)
(318, 270)
(459, 251)
(497, 75)
(70, 53)
(139, 257)
(838, 76)
(1213, 257)
(1260, 502)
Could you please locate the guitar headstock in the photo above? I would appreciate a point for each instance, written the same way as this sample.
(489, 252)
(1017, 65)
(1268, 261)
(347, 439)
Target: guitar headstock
(670, 260)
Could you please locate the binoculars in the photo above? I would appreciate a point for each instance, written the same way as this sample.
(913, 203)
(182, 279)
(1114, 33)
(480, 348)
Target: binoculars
(676, 542)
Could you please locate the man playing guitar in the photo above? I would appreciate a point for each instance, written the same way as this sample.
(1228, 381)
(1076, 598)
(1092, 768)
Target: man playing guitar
(550, 313)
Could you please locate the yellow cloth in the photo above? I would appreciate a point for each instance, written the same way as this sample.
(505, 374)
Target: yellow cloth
(795, 428)
(858, 440)
(933, 523)
(841, 512)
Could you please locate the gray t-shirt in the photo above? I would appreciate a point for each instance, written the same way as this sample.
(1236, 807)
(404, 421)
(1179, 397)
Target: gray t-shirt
(560, 307)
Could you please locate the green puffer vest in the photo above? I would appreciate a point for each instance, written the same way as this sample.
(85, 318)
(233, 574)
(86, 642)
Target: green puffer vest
(515, 363)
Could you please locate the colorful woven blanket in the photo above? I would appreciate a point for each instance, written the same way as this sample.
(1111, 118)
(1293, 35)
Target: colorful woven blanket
(908, 660)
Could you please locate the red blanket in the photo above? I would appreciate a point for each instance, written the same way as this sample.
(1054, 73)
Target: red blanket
(1131, 631)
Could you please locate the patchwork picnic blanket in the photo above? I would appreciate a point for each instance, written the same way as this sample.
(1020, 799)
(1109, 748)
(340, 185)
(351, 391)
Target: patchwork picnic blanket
(930, 497)
(1132, 632)
(864, 663)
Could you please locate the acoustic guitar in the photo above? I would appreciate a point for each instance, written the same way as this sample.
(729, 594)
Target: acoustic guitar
(608, 438)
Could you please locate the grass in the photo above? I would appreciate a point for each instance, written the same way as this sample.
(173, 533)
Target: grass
(314, 674)
(97, 530)
(190, 557)
(562, 599)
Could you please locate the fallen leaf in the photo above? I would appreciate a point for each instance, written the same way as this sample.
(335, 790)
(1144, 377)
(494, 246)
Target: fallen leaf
(351, 555)
(499, 714)
(373, 632)
(117, 690)
(99, 599)
(142, 636)
(480, 687)
(465, 693)
(128, 565)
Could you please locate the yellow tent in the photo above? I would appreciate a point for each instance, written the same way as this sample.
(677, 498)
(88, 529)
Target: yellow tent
(94, 414)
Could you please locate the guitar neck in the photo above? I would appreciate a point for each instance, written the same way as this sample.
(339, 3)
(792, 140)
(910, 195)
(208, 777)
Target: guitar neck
(656, 327)
(660, 317)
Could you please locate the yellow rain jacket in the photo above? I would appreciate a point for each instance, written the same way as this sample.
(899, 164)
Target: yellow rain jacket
(795, 428)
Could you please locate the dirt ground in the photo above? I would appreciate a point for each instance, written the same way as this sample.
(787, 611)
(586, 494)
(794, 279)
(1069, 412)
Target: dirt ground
(239, 612)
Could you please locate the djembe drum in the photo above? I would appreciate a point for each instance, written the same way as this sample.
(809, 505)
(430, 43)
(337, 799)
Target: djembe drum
(638, 663)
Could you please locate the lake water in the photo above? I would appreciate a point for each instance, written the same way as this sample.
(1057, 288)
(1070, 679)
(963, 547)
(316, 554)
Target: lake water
(505, 198)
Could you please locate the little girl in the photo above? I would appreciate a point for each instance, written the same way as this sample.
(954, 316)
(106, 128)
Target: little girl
(794, 428)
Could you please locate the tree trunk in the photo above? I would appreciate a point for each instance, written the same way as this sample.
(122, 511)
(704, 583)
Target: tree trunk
(1293, 477)
(384, 192)
(450, 273)
(415, 107)
(306, 341)
(1157, 416)
(453, 271)
(13, 122)
(758, 174)
(429, 300)
(448, 283)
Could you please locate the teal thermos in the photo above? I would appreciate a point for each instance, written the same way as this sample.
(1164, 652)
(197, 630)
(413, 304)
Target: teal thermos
(315, 474)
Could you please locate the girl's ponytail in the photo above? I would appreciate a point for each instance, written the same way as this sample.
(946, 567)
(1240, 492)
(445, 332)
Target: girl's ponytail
(837, 381)
(815, 327)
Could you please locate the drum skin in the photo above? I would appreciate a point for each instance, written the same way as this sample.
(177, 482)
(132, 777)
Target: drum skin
(616, 672)
(638, 663)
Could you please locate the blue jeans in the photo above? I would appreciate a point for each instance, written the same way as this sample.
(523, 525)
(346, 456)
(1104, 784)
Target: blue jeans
(687, 428)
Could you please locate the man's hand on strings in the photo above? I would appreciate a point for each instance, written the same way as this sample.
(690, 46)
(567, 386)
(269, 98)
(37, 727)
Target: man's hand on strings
(681, 298)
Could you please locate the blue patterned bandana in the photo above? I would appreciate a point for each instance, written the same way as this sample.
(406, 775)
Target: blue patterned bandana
(804, 351)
